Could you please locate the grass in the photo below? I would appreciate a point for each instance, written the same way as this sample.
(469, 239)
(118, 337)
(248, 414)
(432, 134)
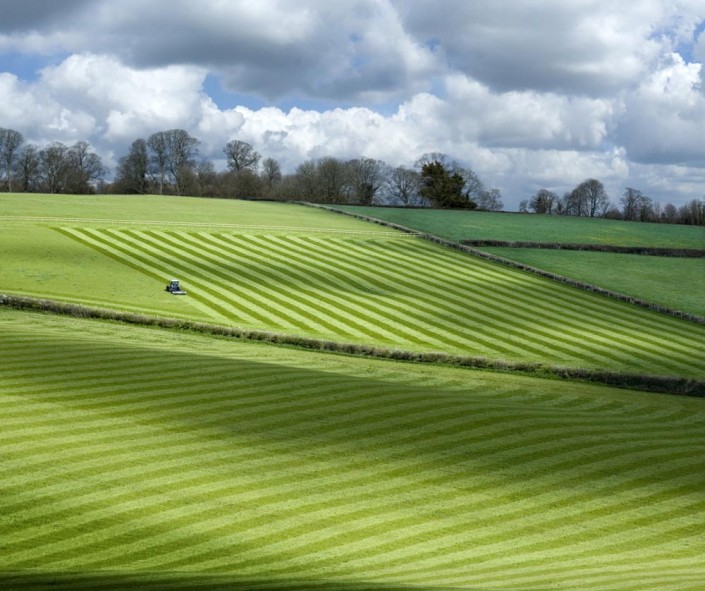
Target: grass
(479, 225)
(135, 456)
(404, 293)
(154, 211)
(345, 283)
(675, 283)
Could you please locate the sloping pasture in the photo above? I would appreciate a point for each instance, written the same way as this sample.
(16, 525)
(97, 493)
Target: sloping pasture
(513, 227)
(675, 283)
(132, 456)
(402, 292)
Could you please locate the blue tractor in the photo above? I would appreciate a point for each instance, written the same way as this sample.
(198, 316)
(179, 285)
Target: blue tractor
(174, 288)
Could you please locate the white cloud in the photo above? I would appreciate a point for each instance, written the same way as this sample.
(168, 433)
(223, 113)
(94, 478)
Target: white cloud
(528, 94)
(664, 118)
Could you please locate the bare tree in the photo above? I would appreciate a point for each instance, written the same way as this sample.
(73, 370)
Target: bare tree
(543, 202)
(174, 155)
(241, 155)
(206, 177)
(55, 167)
(490, 200)
(404, 185)
(670, 214)
(159, 159)
(306, 181)
(595, 196)
(133, 169)
(366, 176)
(271, 172)
(473, 187)
(333, 180)
(587, 199)
(28, 168)
(10, 142)
(84, 167)
(630, 201)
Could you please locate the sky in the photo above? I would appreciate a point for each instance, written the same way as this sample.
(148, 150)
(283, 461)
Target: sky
(530, 94)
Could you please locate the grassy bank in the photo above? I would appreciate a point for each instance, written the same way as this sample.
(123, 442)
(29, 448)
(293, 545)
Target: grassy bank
(133, 454)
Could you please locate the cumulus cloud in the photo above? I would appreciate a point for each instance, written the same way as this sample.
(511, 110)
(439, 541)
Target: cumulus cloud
(528, 94)
(664, 118)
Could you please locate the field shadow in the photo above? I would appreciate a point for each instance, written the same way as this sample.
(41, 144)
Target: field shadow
(186, 582)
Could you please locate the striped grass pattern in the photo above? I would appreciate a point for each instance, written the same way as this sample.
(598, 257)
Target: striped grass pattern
(130, 454)
(404, 293)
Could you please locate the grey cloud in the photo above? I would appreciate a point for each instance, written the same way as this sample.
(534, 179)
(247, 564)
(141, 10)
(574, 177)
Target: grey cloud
(343, 52)
(555, 46)
(30, 15)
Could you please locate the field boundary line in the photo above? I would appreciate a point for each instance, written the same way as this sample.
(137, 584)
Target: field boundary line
(517, 265)
(174, 224)
(588, 247)
(673, 385)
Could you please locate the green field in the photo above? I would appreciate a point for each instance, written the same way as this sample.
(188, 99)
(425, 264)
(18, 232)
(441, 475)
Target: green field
(678, 284)
(190, 212)
(139, 457)
(382, 288)
(459, 225)
(675, 283)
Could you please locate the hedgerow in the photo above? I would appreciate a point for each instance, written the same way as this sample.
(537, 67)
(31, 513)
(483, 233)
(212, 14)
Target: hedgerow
(649, 383)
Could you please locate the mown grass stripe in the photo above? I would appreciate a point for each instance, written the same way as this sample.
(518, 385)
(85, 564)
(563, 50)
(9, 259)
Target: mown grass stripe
(333, 315)
(146, 265)
(355, 313)
(333, 468)
(399, 312)
(216, 293)
(289, 310)
(570, 298)
(476, 314)
(600, 319)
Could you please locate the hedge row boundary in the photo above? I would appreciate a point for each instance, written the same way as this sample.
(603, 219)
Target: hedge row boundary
(647, 383)
(521, 266)
(641, 250)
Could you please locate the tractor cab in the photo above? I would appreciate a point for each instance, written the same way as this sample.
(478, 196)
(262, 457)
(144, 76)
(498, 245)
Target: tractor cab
(174, 287)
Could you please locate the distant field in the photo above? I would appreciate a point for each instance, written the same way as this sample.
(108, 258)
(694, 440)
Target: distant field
(154, 210)
(674, 283)
(138, 455)
(381, 288)
(471, 225)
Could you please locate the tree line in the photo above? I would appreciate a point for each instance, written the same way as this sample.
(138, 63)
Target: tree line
(169, 162)
(57, 168)
(590, 199)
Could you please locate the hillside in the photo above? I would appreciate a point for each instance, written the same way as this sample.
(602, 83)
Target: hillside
(342, 280)
(675, 283)
(458, 225)
(165, 460)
